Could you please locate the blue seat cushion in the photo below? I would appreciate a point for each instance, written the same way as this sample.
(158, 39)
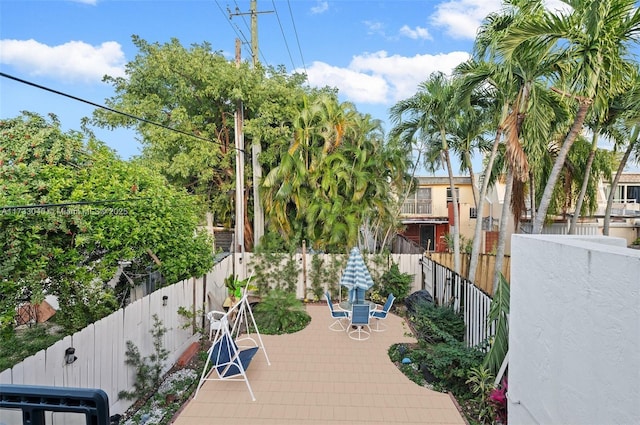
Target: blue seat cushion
(379, 314)
(220, 357)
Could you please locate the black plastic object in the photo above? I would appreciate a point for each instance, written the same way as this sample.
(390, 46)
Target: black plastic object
(34, 401)
(414, 300)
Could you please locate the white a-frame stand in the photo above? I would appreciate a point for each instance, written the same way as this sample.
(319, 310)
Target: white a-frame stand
(231, 352)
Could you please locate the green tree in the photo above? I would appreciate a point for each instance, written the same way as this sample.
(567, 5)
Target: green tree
(593, 42)
(71, 210)
(625, 130)
(430, 115)
(331, 176)
(195, 90)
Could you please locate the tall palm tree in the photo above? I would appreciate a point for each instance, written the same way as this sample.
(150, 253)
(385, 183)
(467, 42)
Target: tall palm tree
(625, 130)
(513, 81)
(593, 40)
(430, 116)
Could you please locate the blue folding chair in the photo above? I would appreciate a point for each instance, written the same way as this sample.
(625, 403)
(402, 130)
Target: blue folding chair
(338, 315)
(360, 319)
(382, 314)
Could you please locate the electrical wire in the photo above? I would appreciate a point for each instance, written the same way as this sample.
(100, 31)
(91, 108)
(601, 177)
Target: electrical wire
(235, 28)
(297, 38)
(282, 31)
(115, 111)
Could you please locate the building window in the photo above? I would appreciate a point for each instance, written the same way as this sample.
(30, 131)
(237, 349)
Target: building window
(449, 198)
(633, 194)
(420, 204)
(473, 213)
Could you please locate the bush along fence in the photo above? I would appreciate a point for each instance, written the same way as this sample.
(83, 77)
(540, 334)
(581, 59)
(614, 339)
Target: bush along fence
(451, 289)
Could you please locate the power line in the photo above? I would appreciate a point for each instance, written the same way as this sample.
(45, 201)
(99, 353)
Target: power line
(297, 39)
(235, 28)
(115, 111)
(253, 14)
(282, 31)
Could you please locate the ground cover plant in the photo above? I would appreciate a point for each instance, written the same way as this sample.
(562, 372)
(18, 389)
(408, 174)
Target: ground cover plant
(441, 361)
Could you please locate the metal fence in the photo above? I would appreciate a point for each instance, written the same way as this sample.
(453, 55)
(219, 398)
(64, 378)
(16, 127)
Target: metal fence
(451, 289)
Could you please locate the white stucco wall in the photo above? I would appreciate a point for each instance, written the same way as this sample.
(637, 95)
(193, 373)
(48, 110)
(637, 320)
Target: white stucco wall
(574, 336)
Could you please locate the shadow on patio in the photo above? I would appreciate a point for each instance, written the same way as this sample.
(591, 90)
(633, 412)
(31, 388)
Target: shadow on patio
(317, 377)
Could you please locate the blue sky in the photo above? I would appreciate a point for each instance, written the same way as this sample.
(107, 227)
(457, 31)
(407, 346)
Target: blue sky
(375, 52)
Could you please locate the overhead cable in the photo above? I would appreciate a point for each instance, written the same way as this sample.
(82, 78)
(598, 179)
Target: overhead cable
(297, 39)
(115, 111)
(283, 36)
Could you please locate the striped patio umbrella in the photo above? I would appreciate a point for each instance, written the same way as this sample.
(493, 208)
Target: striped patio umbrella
(356, 277)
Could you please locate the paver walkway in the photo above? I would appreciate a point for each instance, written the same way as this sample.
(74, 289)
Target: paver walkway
(322, 377)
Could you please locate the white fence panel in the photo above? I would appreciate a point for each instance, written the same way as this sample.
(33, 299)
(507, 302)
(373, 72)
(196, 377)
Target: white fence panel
(476, 312)
(55, 361)
(410, 263)
(451, 289)
(5, 376)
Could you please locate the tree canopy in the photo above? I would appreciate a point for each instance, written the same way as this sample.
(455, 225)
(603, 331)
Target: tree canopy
(71, 210)
(324, 164)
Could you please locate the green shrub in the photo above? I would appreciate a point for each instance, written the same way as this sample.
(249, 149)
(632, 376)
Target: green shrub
(430, 321)
(280, 312)
(394, 282)
(450, 364)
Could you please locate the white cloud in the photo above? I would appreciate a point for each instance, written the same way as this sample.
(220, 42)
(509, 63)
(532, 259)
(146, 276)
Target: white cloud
(374, 27)
(461, 18)
(74, 61)
(417, 33)
(355, 86)
(377, 78)
(91, 2)
(320, 7)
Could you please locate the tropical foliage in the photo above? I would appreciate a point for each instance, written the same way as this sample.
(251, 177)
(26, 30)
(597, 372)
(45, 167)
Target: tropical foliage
(71, 210)
(337, 172)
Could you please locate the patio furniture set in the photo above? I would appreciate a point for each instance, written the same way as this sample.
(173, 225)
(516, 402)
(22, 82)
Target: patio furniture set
(358, 315)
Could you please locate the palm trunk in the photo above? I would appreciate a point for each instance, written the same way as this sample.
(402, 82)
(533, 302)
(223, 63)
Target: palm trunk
(623, 162)
(532, 196)
(474, 189)
(477, 235)
(504, 218)
(585, 183)
(456, 214)
(558, 164)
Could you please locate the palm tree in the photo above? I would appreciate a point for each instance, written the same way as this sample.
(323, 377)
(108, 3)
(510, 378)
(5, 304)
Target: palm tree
(335, 172)
(625, 130)
(513, 82)
(593, 41)
(430, 116)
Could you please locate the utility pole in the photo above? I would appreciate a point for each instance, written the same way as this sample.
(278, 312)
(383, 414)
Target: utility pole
(256, 149)
(239, 142)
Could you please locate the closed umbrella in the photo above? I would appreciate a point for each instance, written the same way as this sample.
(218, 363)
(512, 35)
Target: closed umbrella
(356, 277)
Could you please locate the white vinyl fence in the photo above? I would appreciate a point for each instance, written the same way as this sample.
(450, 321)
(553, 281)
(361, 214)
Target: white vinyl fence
(100, 347)
(407, 263)
(450, 289)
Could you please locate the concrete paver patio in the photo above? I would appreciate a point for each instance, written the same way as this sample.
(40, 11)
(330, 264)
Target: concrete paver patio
(322, 377)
